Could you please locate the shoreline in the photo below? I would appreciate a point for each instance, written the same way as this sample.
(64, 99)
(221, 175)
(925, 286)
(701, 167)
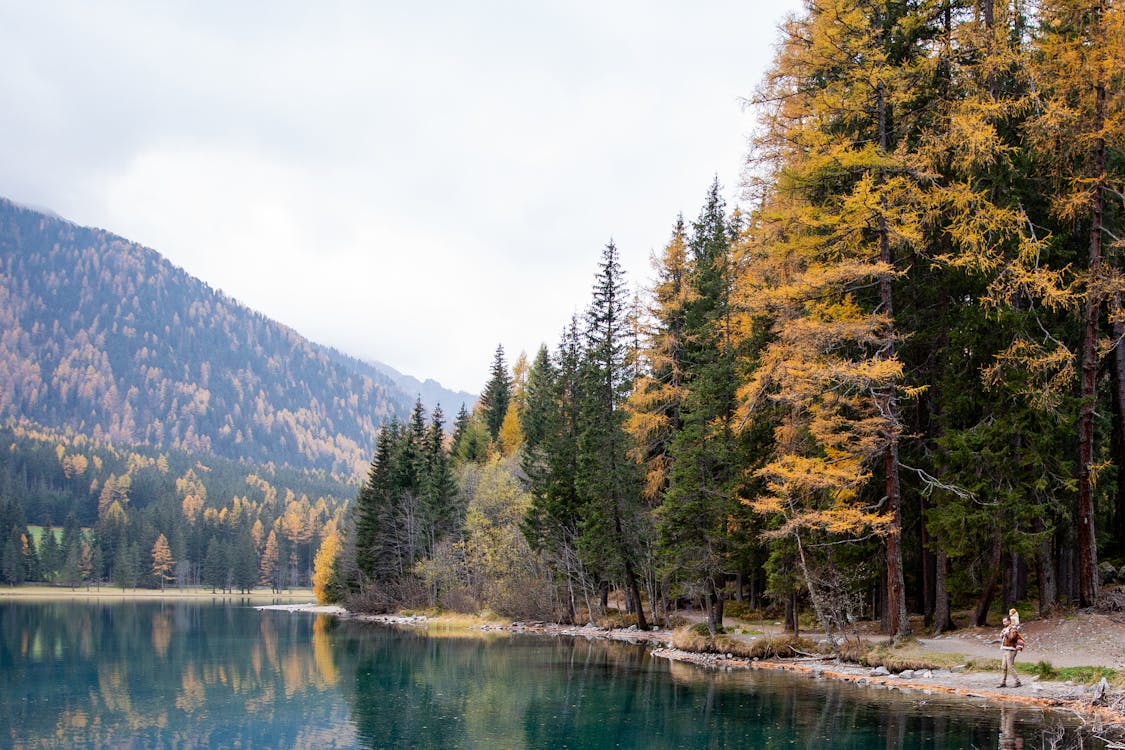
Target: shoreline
(43, 593)
(1045, 695)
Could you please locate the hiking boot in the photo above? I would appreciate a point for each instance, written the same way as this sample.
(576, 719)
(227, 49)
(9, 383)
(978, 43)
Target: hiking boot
(1002, 684)
(1018, 684)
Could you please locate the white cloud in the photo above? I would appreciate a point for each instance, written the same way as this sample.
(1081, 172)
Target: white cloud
(409, 183)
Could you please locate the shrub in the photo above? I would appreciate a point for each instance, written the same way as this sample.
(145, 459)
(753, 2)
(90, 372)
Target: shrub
(782, 647)
(742, 611)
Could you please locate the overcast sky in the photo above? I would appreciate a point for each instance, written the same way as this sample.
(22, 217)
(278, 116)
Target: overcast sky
(409, 182)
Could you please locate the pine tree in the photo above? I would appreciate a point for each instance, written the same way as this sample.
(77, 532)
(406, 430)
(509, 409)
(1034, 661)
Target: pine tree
(373, 510)
(607, 481)
(215, 565)
(439, 488)
(50, 555)
(694, 517)
(497, 393)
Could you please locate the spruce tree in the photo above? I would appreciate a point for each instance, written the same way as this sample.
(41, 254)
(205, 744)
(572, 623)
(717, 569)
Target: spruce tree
(439, 488)
(693, 519)
(607, 480)
(497, 393)
(552, 522)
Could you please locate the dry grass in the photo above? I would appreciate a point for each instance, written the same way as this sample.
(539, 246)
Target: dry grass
(905, 654)
(781, 647)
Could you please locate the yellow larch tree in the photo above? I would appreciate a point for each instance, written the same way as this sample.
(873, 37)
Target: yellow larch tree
(162, 561)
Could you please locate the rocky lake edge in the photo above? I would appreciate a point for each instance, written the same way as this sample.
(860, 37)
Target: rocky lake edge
(1101, 708)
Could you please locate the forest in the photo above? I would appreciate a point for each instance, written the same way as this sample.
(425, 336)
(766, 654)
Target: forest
(75, 511)
(103, 337)
(892, 386)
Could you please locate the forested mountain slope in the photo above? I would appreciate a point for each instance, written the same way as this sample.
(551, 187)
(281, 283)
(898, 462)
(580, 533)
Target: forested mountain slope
(103, 337)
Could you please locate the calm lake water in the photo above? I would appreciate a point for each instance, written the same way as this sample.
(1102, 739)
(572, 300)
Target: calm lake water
(186, 675)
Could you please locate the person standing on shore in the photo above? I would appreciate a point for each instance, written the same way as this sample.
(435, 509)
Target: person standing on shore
(1011, 642)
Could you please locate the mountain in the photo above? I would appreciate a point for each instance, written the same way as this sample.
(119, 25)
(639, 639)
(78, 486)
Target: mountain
(103, 337)
(430, 391)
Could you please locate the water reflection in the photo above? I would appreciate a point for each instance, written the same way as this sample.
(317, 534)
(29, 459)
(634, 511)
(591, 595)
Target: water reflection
(188, 675)
(413, 691)
(171, 675)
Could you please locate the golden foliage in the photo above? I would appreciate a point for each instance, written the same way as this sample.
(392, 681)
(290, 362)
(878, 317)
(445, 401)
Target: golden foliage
(322, 565)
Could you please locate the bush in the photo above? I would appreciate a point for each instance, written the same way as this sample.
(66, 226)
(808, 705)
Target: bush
(614, 620)
(391, 596)
(742, 611)
(782, 647)
(460, 600)
(896, 657)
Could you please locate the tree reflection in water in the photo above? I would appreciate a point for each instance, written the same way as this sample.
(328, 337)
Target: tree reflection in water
(143, 674)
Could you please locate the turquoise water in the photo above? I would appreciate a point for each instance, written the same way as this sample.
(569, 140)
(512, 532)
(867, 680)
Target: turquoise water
(186, 675)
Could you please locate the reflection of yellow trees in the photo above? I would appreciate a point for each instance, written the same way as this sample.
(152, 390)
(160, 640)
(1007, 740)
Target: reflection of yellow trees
(293, 674)
(161, 634)
(114, 694)
(192, 694)
(269, 640)
(322, 653)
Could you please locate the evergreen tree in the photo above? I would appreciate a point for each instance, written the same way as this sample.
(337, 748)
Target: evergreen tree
(12, 561)
(244, 563)
(215, 565)
(126, 567)
(373, 511)
(693, 519)
(497, 393)
(552, 522)
(439, 488)
(608, 483)
(50, 555)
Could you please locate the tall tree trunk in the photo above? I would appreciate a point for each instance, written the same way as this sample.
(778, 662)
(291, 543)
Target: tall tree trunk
(630, 575)
(942, 619)
(1087, 545)
(897, 621)
(1119, 419)
(927, 573)
(1045, 563)
(984, 601)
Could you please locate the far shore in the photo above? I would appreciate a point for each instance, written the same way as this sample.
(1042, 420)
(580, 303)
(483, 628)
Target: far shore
(200, 593)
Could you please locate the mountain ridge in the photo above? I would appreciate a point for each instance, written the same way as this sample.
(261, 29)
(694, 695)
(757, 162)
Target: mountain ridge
(104, 336)
(429, 390)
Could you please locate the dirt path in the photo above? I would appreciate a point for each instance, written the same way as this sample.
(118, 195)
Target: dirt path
(1069, 641)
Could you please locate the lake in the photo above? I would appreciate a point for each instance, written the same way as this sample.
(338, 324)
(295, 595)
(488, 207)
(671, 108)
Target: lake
(143, 674)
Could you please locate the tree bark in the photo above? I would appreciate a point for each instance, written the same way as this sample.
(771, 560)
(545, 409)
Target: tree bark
(1087, 545)
(1048, 592)
(897, 621)
(1119, 420)
(942, 619)
(984, 601)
